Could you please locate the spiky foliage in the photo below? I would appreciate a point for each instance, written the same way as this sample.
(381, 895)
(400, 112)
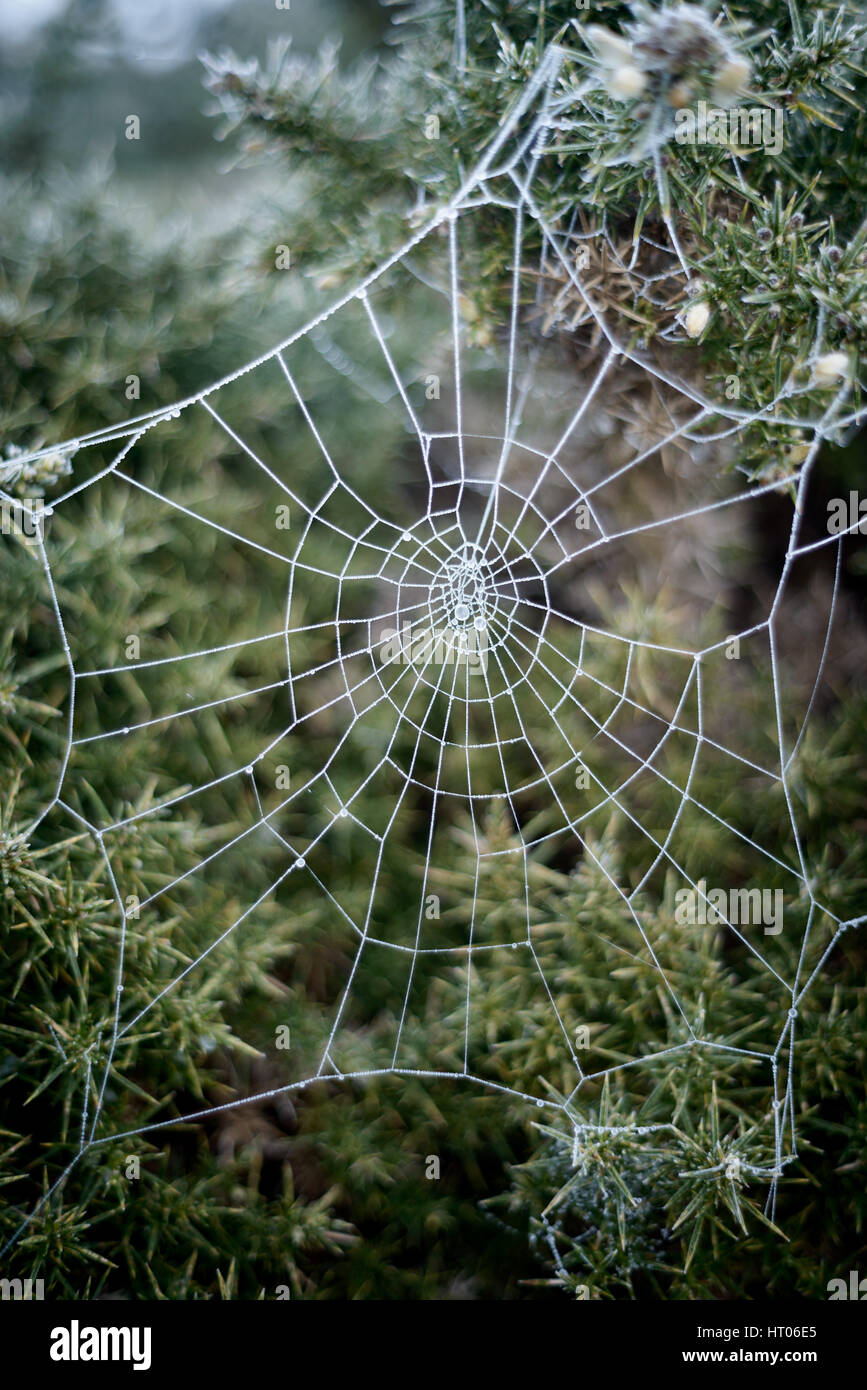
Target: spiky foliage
(772, 237)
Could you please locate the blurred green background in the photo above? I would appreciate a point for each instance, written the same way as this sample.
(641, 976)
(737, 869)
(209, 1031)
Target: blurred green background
(156, 257)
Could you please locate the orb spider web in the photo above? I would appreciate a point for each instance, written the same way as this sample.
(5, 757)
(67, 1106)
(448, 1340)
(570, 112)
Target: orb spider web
(454, 665)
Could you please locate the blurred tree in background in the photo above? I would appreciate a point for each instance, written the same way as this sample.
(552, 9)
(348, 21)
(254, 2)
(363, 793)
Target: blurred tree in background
(156, 258)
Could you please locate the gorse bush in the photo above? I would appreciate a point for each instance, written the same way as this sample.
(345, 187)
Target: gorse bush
(407, 1186)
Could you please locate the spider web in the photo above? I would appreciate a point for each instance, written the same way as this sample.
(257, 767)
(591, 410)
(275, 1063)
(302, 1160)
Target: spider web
(505, 703)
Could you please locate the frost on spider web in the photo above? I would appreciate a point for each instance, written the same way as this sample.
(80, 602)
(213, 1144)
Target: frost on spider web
(446, 666)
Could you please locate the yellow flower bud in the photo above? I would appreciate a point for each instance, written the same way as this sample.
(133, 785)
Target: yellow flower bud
(625, 83)
(830, 368)
(696, 318)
